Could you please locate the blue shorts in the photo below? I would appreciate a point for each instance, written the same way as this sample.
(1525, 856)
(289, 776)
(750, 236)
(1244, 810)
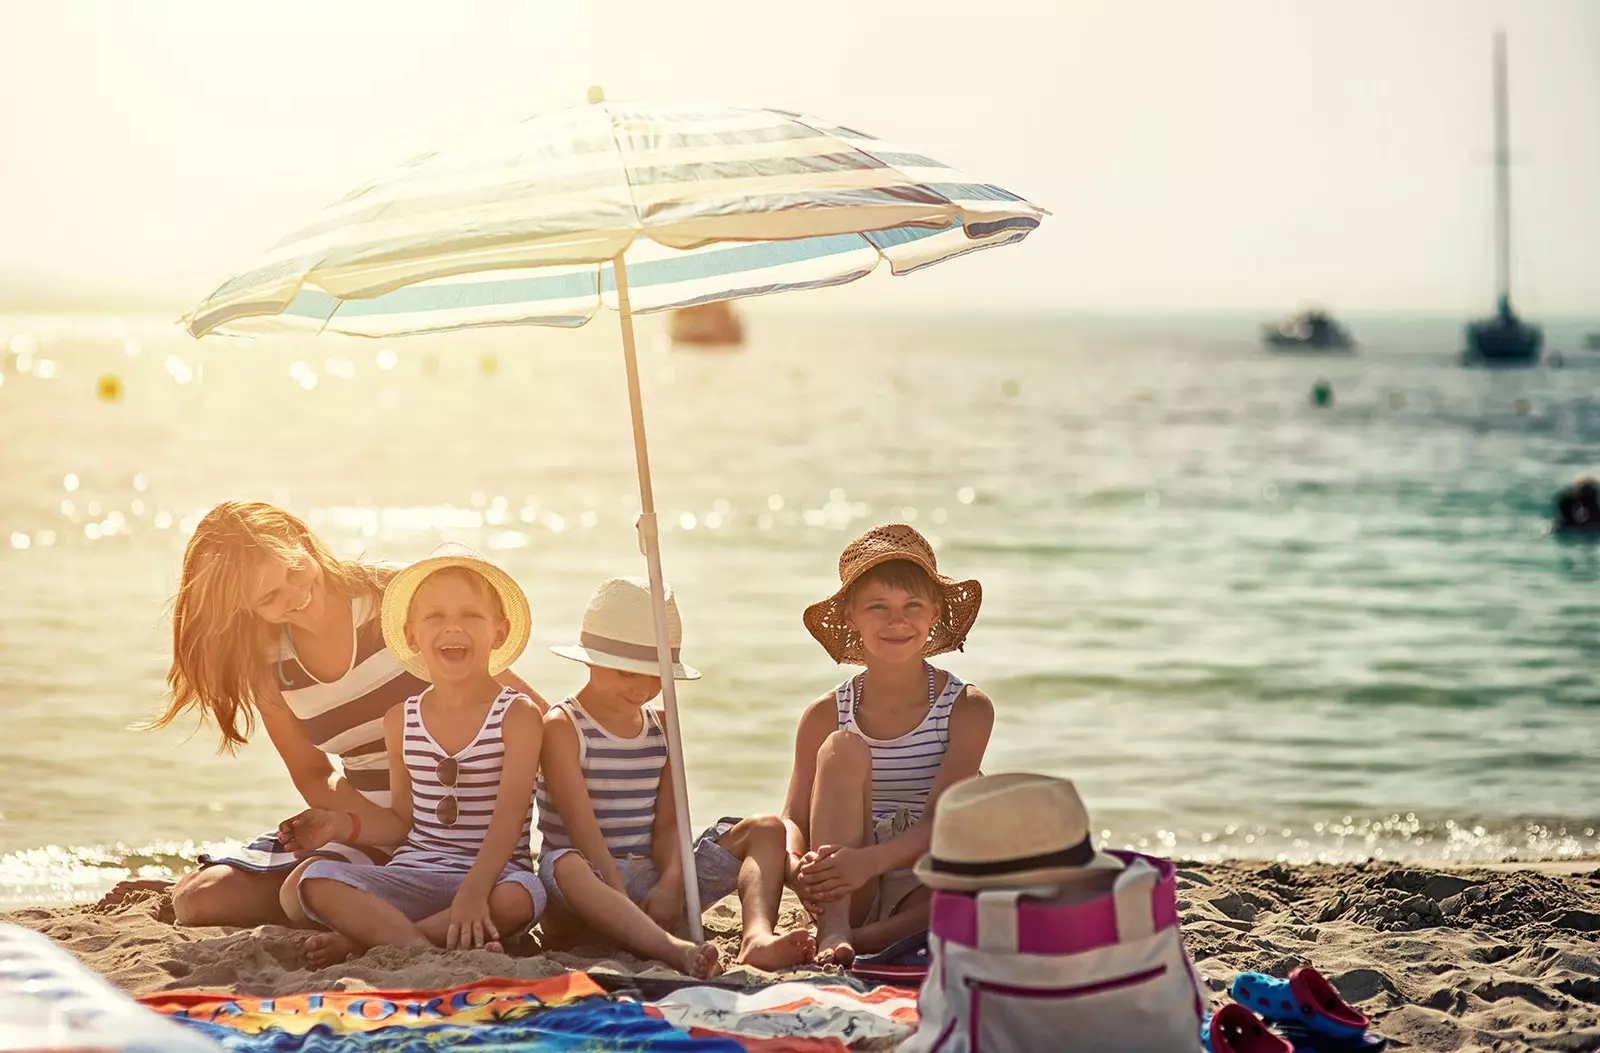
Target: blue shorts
(716, 868)
(413, 891)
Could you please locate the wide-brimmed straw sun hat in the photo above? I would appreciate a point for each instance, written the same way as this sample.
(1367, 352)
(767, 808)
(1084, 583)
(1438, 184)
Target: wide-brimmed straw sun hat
(397, 601)
(1010, 831)
(619, 631)
(828, 621)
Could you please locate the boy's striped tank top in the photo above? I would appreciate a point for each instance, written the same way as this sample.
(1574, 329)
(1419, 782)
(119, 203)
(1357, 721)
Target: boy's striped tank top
(623, 777)
(433, 845)
(903, 769)
(344, 717)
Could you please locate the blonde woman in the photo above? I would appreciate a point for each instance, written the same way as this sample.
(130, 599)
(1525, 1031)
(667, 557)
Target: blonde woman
(270, 629)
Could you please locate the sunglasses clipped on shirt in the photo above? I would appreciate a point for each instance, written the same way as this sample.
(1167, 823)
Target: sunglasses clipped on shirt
(448, 810)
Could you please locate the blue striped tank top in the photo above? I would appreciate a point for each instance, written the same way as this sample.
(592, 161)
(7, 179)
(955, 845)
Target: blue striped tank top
(903, 769)
(432, 845)
(344, 717)
(623, 777)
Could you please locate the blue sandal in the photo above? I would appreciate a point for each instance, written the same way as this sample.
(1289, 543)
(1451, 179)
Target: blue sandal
(1234, 1029)
(904, 962)
(1307, 1001)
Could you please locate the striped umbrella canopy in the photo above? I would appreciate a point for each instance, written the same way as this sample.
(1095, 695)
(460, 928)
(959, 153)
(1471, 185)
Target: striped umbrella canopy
(522, 225)
(640, 208)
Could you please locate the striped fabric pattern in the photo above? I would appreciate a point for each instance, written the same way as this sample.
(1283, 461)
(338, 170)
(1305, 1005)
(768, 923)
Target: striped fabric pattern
(903, 769)
(707, 203)
(432, 845)
(344, 717)
(266, 854)
(623, 777)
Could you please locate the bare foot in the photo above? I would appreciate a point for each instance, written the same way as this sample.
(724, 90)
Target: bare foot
(772, 953)
(834, 948)
(701, 961)
(327, 948)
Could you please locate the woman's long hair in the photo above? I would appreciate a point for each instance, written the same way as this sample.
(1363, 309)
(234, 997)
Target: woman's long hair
(222, 653)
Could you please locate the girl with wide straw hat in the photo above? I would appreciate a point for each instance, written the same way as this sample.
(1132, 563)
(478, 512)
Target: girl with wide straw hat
(873, 755)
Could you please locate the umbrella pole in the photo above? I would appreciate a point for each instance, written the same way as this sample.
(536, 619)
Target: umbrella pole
(649, 542)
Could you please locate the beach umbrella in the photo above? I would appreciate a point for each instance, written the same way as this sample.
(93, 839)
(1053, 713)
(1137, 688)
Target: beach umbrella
(640, 208)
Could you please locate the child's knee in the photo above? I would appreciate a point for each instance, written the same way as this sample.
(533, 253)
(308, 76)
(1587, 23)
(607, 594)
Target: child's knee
(571, 867)
(510, 905)
(756, 830)
(289, 894)
(845, 751)
(312, 892)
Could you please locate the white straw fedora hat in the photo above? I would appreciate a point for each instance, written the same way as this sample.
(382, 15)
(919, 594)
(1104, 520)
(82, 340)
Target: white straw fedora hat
(619, 631)
(1010, 830)
(397, 602)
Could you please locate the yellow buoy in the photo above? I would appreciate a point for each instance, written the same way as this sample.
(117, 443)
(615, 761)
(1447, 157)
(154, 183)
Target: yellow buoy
(109, 388)
(489, 365)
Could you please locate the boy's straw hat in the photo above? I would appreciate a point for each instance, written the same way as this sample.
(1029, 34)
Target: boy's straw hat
(397, 600)
(619, 631)
(1011, 831)
(827, 620)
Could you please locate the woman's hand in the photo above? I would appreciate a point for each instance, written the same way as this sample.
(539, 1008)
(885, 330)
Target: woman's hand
(471, 927)
(305, 833)
(832, 872)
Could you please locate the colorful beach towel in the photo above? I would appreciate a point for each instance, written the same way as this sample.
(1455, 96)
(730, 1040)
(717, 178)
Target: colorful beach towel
(826, 1015)
(581, 1027)
(554, 1015)
(344, 1012)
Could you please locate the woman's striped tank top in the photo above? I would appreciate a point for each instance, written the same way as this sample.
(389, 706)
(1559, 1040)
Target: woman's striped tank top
(433, 845)
(903, 769)
(623, 777)
(344, 717)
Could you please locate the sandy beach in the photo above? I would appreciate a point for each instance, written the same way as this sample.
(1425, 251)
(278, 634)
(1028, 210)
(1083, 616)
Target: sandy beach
(1497, 958)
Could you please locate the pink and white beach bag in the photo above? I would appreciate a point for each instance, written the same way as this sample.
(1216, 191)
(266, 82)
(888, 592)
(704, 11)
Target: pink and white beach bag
(1015, 970)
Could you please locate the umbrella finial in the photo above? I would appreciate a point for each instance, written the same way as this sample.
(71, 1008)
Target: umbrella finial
(596, 94)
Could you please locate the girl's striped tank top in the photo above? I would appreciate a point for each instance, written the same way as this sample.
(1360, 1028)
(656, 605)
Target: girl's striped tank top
(432, 844)
(903, 769)
(623, 777)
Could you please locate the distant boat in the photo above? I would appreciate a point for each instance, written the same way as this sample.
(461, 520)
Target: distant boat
(1502, 339)
(707, 325)
(1308, 331)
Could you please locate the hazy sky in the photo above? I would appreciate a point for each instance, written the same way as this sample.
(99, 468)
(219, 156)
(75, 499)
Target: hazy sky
(1196, 155)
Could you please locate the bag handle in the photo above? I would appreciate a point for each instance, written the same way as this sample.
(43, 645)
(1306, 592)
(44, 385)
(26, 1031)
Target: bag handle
(1133, 895)
(997, 919)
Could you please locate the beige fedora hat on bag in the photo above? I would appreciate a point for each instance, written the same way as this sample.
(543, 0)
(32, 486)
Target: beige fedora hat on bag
(397, 602)
(1010, 831)
(619, 631)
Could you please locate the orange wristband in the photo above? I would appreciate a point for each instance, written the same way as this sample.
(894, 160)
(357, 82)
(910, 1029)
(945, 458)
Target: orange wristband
(355, 826)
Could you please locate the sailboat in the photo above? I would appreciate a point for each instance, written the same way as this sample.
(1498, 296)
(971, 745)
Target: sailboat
(1502, 339)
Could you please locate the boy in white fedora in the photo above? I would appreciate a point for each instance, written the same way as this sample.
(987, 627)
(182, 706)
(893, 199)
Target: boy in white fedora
(873, 755)
(606, 812)
(463, 754)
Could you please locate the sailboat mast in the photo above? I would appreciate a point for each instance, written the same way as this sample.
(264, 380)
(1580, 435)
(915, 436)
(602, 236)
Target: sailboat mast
(1502, 164)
